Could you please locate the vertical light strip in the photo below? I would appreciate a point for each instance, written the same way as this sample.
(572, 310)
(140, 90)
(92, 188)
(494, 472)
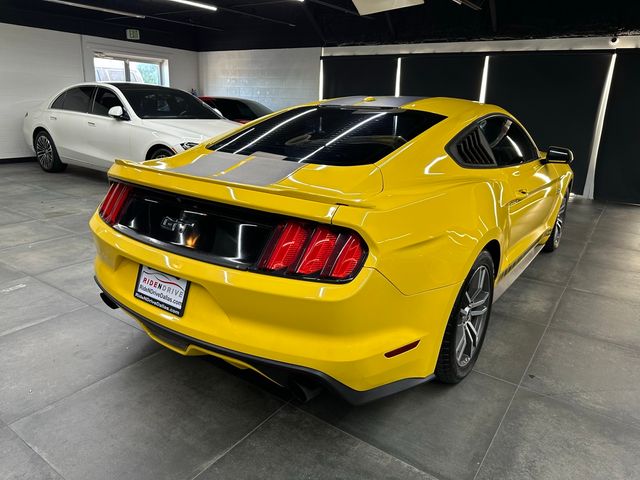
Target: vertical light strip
(485, 78)
(321, 82)
(398, 73)
(589, 184)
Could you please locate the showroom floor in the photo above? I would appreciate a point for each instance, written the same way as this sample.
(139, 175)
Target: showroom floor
(85, 395)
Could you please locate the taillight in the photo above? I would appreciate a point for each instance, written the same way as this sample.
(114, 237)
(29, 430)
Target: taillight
(313, 251)
(112, 205)
(289, 240)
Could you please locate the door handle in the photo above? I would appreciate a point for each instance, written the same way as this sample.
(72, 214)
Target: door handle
(51, 117)
(91, 124)
(522, 193)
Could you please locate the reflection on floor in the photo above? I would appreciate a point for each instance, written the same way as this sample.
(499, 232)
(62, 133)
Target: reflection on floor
(85, 395)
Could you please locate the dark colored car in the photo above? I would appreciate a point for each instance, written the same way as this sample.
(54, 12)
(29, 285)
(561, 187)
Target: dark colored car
(237, 109)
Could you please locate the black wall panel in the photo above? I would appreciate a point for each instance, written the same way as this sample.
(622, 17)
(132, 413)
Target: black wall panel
(618, 165)
(359, 75)
(442, 75)
(555, 96)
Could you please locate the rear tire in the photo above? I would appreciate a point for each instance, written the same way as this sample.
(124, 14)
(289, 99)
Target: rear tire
(468, 322)
(161, 152)
(553, 241)
(47, 154)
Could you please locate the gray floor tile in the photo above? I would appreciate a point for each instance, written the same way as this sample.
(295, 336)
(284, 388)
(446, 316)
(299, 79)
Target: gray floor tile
(528, 300)
(613, 320)
(53, 359)
(7, 273)
(165, 418)
(117, 314)
(625, 240)
(615, 225)
(76, 223)
(571, 248)
(76, 280)
(609, 256)
(18, 461)
(57, 207)
(26, 301)
(28, 232)
(606, 281)
(17, 203)
(552, 268)
(588, 372)
(274, 451)
(577, 232)
(17, 188)
(544, 439)
(508, 347)
(45, 256)
(625, 213)
(7, 217)
(441, 429)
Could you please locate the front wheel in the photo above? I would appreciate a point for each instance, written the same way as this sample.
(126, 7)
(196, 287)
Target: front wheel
(467, 325)
(554, 240)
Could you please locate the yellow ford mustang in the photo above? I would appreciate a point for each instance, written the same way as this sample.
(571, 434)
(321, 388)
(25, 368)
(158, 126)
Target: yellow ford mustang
(355, 243)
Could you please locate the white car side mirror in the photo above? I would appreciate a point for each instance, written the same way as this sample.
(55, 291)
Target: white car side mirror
(118, 113)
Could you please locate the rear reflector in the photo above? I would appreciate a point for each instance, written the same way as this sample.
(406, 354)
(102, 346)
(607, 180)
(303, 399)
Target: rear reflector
(313, 251)
(406, 348)
(111, 206)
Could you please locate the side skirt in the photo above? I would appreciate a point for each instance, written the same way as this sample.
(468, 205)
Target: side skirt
(516, 270)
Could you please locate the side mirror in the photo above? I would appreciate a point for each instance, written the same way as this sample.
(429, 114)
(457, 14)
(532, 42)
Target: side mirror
(118, 113)
(559, 155)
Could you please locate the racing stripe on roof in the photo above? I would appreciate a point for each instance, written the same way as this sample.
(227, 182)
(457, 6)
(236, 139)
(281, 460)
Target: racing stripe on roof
(257, 170)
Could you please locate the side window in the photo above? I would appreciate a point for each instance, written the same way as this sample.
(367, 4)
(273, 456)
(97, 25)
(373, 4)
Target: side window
(59, 102)
(78, 99)
(508, 142)
(105, 99)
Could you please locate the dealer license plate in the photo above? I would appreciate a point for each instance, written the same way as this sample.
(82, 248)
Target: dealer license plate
(161, 290)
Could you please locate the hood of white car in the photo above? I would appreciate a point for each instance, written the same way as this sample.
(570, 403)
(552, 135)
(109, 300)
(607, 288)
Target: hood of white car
(189, 129)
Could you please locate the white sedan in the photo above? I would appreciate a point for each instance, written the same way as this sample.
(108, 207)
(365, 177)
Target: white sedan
(92, 124)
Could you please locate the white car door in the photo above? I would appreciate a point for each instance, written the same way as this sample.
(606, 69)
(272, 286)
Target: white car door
(69, 133)
(107, 138)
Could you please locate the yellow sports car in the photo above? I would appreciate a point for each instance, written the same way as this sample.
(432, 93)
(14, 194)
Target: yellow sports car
(354, 243)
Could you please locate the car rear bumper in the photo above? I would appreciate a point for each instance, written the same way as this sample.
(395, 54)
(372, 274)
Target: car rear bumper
(285, 329)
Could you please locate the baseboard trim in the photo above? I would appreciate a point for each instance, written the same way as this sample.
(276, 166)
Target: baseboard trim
(17, 160)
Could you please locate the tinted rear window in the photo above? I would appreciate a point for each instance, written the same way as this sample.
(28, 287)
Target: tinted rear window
(328, 135)
(78, 99)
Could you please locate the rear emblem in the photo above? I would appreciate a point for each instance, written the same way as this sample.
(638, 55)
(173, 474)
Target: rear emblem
(175, 225)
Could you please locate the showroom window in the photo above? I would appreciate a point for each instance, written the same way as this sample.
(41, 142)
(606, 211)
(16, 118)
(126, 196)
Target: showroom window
(126, 69)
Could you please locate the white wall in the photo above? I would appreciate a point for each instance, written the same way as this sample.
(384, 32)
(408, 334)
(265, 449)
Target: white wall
(277, 78)
(36, 63)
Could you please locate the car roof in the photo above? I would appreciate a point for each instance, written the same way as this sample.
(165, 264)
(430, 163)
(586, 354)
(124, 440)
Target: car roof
(449, 107)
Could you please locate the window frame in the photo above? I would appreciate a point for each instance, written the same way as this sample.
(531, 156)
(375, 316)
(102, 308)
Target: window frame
(95, 94)
(476, 124)
(127, 59)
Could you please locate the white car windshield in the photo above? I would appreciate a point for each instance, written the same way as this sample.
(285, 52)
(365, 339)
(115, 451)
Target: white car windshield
(152, 102)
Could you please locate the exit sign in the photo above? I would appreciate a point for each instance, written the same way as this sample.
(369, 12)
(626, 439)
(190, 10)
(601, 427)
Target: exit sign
(133, 34)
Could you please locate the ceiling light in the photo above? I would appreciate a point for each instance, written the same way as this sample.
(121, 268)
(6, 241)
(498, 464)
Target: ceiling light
(206, 6)
(97, 9)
